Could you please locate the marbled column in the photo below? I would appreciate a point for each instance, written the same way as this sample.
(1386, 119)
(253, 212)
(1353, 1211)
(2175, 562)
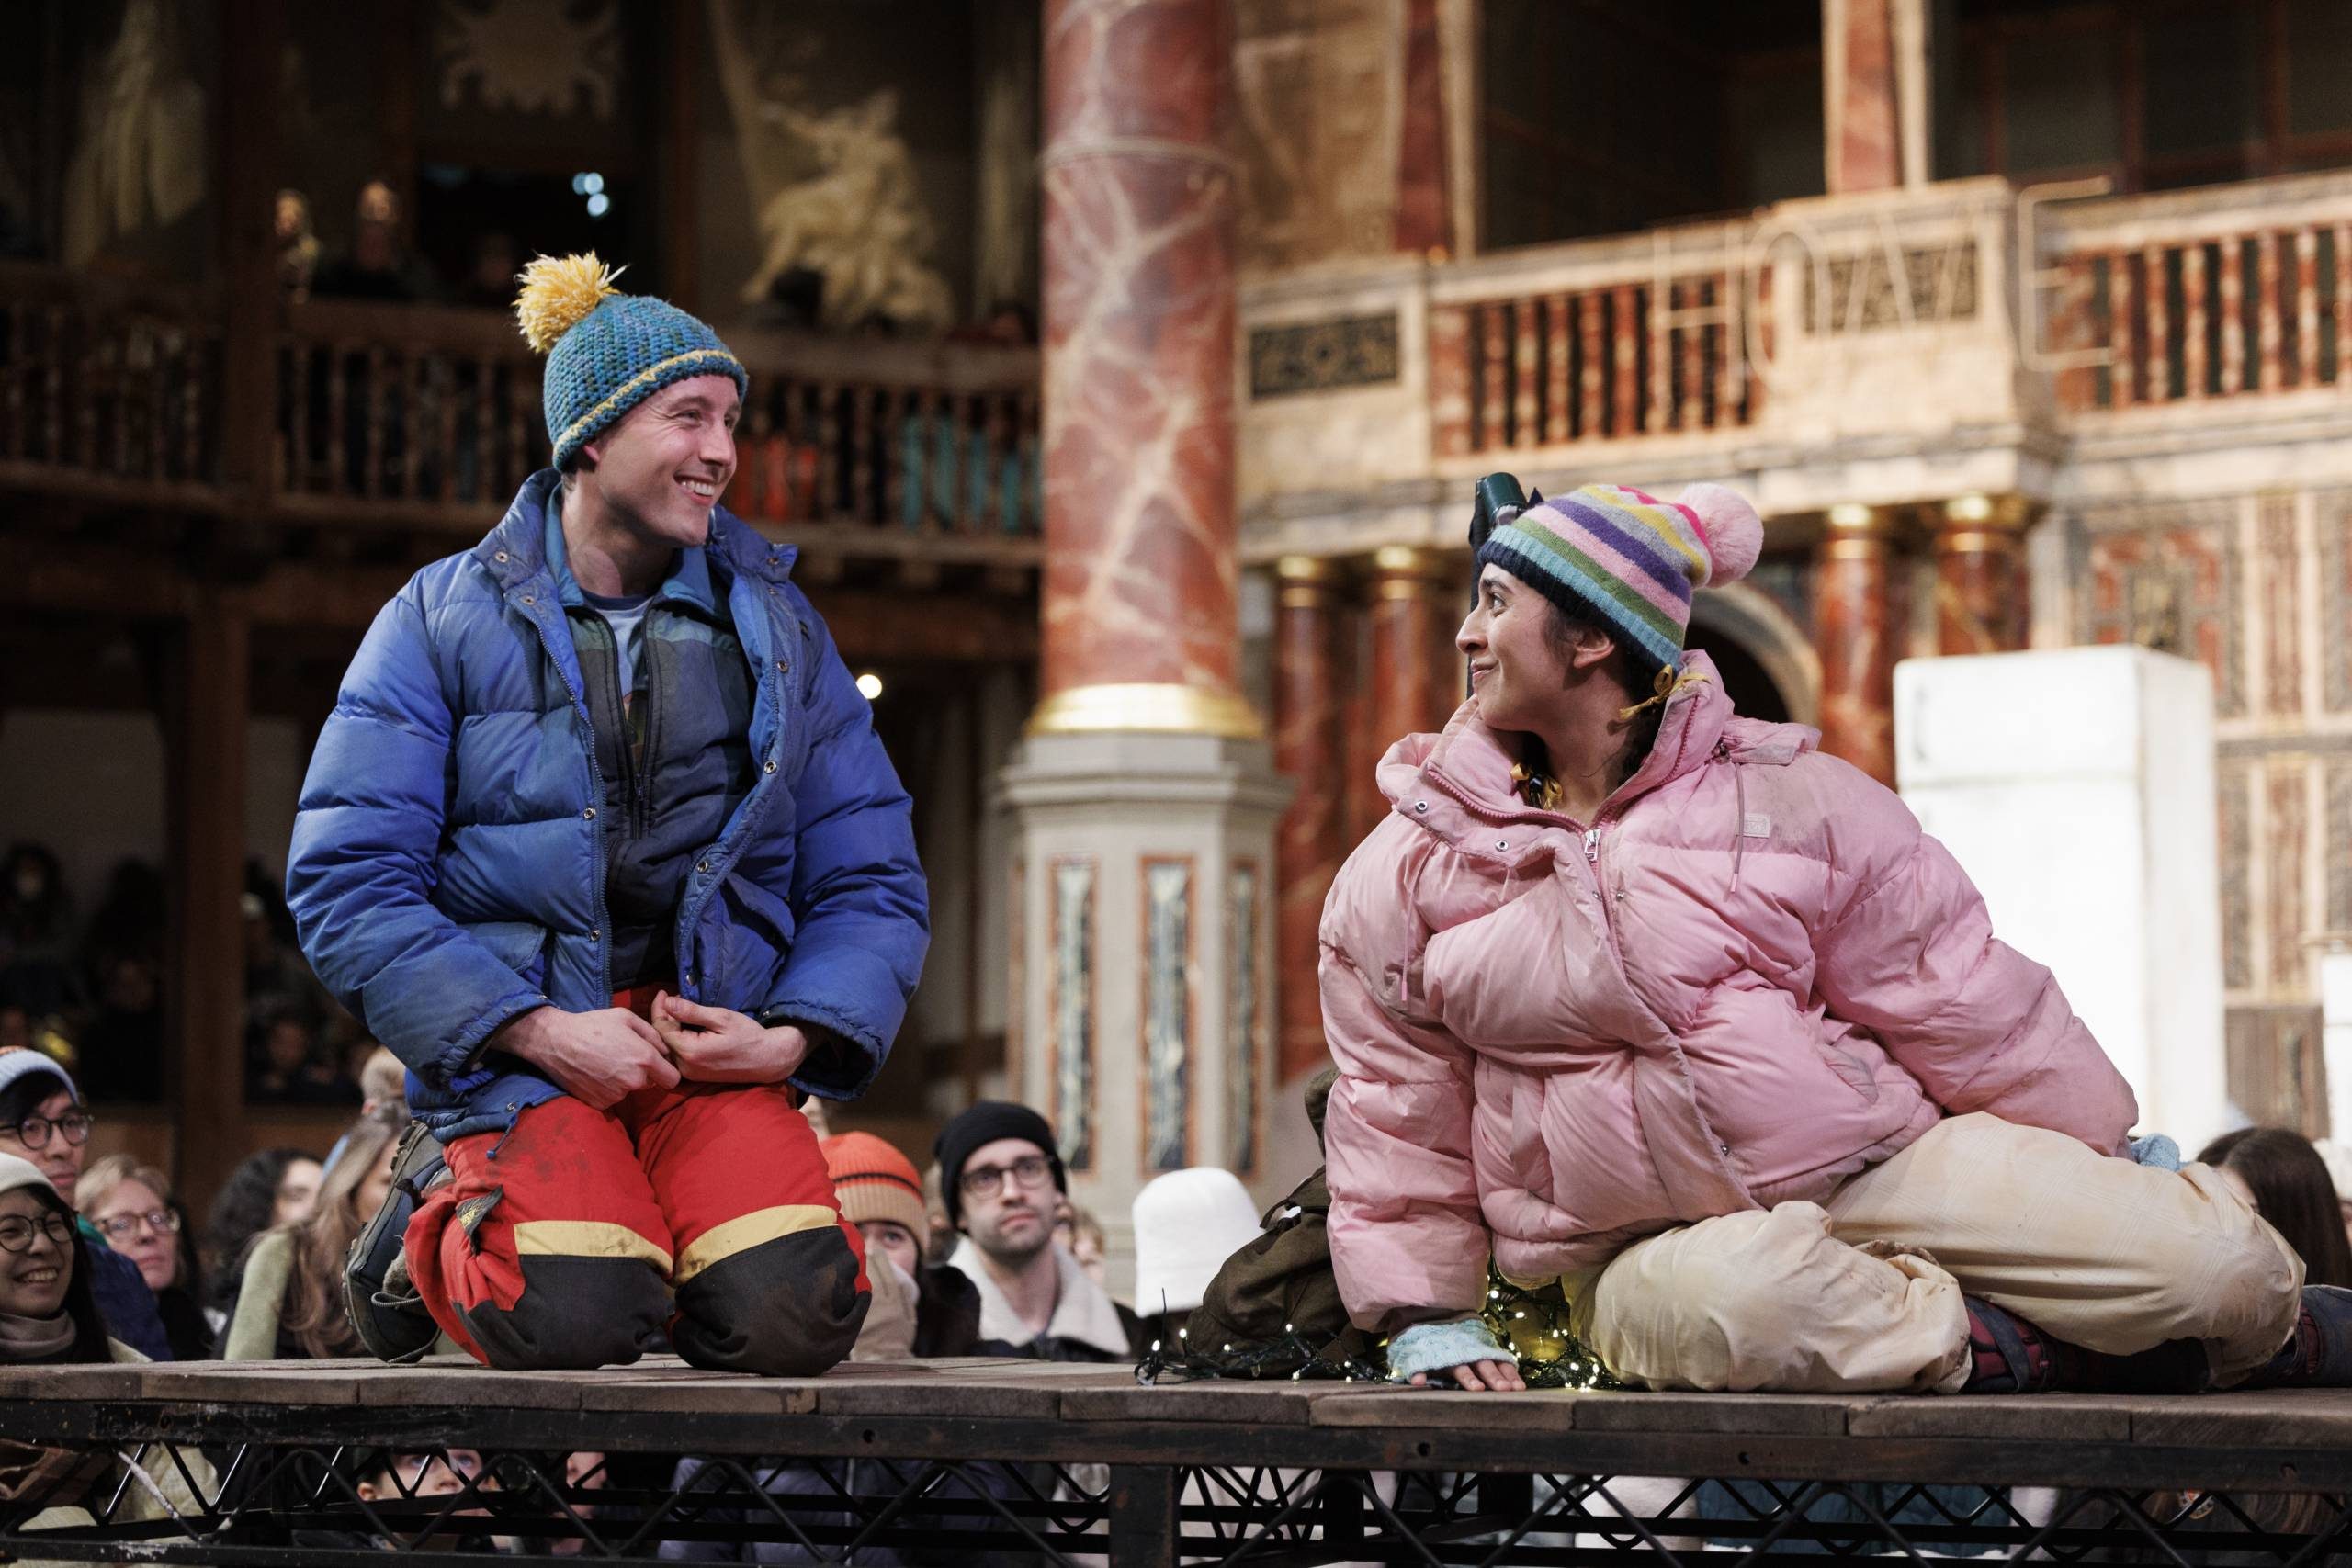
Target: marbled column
(1424, 198)
(1981, 596)
(1141, 572)
(1856, 627)
(1311, 841)
(1418, 599)
(1145, 789)
(1863, 119)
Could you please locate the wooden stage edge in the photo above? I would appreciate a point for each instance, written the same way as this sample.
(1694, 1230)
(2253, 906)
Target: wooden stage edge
(2298, 1441)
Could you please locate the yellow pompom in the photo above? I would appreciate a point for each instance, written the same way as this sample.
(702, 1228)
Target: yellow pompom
(557, 294)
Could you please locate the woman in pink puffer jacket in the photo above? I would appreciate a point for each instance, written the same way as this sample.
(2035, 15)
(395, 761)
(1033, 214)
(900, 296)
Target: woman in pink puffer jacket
(1663, 1003)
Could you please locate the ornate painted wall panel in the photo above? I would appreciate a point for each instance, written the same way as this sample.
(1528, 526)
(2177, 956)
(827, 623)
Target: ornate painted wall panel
(1167, 1012)
(2168, 577)
(1069, 1008)
(1246, 1019)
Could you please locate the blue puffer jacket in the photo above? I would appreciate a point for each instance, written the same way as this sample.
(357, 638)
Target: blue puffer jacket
(448, 872)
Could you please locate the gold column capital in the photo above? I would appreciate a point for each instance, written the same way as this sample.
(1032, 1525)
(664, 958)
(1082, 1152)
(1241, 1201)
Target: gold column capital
(1139, 708)
(1857, 531)
(1305, 582)
(1978, 523)
(1406, 571)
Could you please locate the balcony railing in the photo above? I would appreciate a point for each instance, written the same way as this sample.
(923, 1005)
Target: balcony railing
(1605, 347)
(105, 387)
(2231, 292)
(415, 416)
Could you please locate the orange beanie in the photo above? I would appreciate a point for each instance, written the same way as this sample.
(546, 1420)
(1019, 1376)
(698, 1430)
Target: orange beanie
(874, 1181)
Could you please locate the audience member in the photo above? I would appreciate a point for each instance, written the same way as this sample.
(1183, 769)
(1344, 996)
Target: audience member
(940, 1237)
(48, 1314)
(1187, 1224)
(999, 1173)
(121, 1052)
(297, 245)
(1081, 1235)
(378, 266)
(44, 1121)
(288, 1070)
(2279, 1171)
(35, 932)
(130, 1205)
(291, 1305)
(880, 1194)
(274, 1187)
(383, 1092)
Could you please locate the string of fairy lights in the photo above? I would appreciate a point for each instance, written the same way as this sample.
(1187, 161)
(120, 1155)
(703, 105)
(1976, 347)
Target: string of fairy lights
(1534, 1324)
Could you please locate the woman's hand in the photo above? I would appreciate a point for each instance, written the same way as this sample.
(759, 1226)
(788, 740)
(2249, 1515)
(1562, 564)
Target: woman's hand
(1481, 1377)
(721, 1045)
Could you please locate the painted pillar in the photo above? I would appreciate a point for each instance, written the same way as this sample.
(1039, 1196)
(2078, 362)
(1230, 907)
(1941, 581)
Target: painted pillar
(1874, 93)
(1308, 741)
(1141, 570)
(1982, 601)
(1145, 788)
(1858, 624)
(1418, 600)
(1424, 199)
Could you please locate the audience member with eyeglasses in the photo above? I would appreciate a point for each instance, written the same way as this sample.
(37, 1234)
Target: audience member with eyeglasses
(48, 1315)
(131, 1205)
(44, 1123)
(1003, 1181)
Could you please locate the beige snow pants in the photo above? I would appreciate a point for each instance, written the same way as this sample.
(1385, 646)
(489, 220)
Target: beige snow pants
(2103, 1253)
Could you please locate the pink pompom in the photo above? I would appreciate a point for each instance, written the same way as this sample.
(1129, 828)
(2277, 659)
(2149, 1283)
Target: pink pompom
(1735, 534)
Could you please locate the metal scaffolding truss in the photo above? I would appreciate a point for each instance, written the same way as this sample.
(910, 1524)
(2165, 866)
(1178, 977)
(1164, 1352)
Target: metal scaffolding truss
(978, 1467)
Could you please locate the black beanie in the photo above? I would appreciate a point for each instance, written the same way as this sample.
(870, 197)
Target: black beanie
(984, 1124)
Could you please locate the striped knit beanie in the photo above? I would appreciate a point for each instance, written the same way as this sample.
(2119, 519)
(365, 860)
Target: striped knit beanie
(1629, 558)
(874, 1181)
(607, 352)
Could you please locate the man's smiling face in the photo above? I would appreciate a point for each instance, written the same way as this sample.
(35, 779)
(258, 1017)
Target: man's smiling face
(664, 466)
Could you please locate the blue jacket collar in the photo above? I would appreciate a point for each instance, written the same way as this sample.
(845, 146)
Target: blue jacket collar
(529, 540)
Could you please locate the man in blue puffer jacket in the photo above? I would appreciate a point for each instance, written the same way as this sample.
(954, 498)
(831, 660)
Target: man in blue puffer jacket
(601, 841)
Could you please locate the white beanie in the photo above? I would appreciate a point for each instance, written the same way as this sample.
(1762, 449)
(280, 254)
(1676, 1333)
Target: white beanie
(1187, 1224)
(15, 1173)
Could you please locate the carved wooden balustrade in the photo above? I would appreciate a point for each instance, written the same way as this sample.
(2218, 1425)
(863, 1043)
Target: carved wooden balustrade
(2229, 292)
(1613, 341)
(417, 417)
(108, 389)
(388, 410)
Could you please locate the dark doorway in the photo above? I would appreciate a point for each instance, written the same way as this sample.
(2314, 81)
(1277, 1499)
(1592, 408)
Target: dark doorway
(1752, 692)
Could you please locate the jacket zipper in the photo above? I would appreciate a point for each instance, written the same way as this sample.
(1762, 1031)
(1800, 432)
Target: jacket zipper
(597, 777)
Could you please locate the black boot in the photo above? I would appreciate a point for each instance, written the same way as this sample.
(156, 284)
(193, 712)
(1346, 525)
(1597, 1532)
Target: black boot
(2011, 1355)
(384, 1305)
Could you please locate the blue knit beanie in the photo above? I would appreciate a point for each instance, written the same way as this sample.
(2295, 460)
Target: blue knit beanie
(607, 352)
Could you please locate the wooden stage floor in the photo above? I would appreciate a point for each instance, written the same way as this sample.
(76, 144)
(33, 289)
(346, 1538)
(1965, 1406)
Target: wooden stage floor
(1299, 1469)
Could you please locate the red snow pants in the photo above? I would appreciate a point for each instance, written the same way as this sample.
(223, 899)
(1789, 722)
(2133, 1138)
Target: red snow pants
(576, 1238)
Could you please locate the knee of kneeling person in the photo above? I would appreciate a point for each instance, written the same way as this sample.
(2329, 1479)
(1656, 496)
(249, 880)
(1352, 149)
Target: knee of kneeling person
(775, 1310)
(573, 1314)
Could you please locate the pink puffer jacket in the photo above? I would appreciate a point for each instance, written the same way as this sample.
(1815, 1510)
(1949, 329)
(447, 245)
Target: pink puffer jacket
(1753, 976)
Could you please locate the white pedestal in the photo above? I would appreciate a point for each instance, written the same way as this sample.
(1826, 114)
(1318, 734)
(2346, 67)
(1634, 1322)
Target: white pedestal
(1143, 997)
(2075, 786)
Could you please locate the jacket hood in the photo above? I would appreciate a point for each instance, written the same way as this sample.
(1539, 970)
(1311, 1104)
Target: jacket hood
(1471, 762)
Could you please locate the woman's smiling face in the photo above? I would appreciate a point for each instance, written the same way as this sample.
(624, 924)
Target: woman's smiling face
(33, 1282)
(1516, 670)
